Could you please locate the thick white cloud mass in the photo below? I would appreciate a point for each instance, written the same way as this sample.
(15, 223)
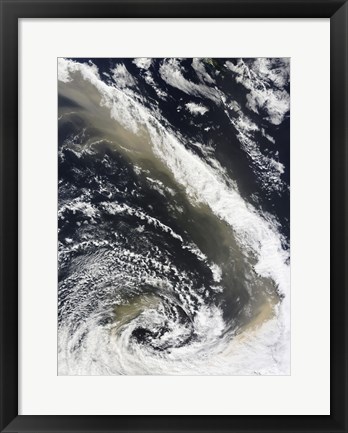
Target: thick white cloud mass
(196, 109)
(142, 62)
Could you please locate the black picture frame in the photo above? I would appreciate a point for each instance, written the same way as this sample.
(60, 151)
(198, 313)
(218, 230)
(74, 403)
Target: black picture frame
(11, 11)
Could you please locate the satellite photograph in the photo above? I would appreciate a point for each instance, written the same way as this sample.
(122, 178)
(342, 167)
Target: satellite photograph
(173, 216)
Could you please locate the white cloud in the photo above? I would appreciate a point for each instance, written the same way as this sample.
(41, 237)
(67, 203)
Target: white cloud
(65, 67)
(196, 109)
(274, 70)
(122, 77)
(269, 137)
(151, 82)
(142, 62)
(265, 79)
(245, 124)
(198, 66)
(217, 272)
(268, 168)
(172, 73)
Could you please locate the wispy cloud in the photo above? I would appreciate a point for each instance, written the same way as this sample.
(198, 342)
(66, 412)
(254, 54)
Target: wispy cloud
(266, 80)
(122, 77)
(173, 74)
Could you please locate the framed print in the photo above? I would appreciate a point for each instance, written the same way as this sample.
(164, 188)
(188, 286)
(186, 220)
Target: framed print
(173, 189)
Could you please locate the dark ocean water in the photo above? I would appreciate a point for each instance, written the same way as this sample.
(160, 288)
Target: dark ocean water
(173, 238)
